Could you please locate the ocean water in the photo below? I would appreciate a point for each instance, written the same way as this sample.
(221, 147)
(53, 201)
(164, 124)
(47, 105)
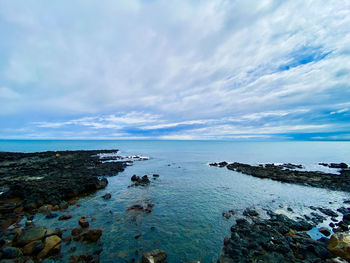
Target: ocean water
(189, 196)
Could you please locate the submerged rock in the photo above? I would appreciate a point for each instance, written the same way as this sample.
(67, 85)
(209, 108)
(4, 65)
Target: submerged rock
(65, 217)
(107, 196)
(154, 256)
(91, 235)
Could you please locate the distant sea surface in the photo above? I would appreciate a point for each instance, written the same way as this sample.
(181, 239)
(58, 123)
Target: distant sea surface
(190, 196)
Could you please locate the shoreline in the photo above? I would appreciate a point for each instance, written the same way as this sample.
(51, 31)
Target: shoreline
(50, 182)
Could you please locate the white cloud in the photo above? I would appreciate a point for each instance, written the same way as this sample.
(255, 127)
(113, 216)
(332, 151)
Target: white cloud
(153, 65)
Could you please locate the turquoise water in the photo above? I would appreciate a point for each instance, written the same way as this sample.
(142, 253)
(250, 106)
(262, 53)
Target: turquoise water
(189, 196)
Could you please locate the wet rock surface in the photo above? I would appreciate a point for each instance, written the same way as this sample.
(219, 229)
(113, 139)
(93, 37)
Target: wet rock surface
(277, 239)
(285, 173)
(35, 179)
(50, 177)
(140, 181)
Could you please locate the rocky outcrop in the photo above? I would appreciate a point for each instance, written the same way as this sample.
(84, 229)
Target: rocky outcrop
(140, 181)
(287, 175)
(50, 177)
(277, 239)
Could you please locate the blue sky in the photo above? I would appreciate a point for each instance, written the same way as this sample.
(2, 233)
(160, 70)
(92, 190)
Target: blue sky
(235, 70)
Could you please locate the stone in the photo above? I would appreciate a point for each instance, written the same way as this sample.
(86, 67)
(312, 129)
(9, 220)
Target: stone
(65, 217)
(154, 256)
(328, 212)
(52, 245)
(91, 236)
(250, 212)
(134, 178)
(33, 248)
(77, 231)
(339, 245)
(31, 234)
(155, 175)
(11, 252)
(50, 215)
(83, 223)
(325, 231)
(107, 196)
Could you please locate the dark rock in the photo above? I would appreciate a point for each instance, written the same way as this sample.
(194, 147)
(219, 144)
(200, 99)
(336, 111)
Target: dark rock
(272, 240)
(77, 231)
(140, 181)
(107, 196)
(338, 165)
(250, 212)
(325, 231)
(83, 223)
(65, 217)
(11, 252)
(311, 178)
(51, 215)
(222, 164)
(134, 178)
(328, 212)
(91, 235)
(155, 175)
(70, 174)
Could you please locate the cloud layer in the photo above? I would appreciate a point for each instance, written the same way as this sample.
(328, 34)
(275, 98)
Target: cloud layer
(205, 69)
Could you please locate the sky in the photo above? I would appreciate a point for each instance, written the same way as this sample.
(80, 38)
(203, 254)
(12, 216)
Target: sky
(179, 70)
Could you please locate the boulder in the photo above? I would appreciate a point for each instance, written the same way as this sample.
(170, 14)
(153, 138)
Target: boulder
(33, 248)
(339, 245)
(31, 234)
(134, 178)
(325, 231)
(154, 256)
(11, 252)
(52, 245)
(250, 212)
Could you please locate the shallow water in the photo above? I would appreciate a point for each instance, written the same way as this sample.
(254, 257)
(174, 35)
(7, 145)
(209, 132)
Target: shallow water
(189, 195)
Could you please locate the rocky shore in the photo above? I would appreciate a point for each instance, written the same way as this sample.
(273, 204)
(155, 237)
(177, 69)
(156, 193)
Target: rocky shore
(288, 173)
(281, 239)
(46, 182)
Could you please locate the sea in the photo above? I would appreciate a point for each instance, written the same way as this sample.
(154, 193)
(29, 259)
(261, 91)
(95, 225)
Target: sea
(189, 196)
